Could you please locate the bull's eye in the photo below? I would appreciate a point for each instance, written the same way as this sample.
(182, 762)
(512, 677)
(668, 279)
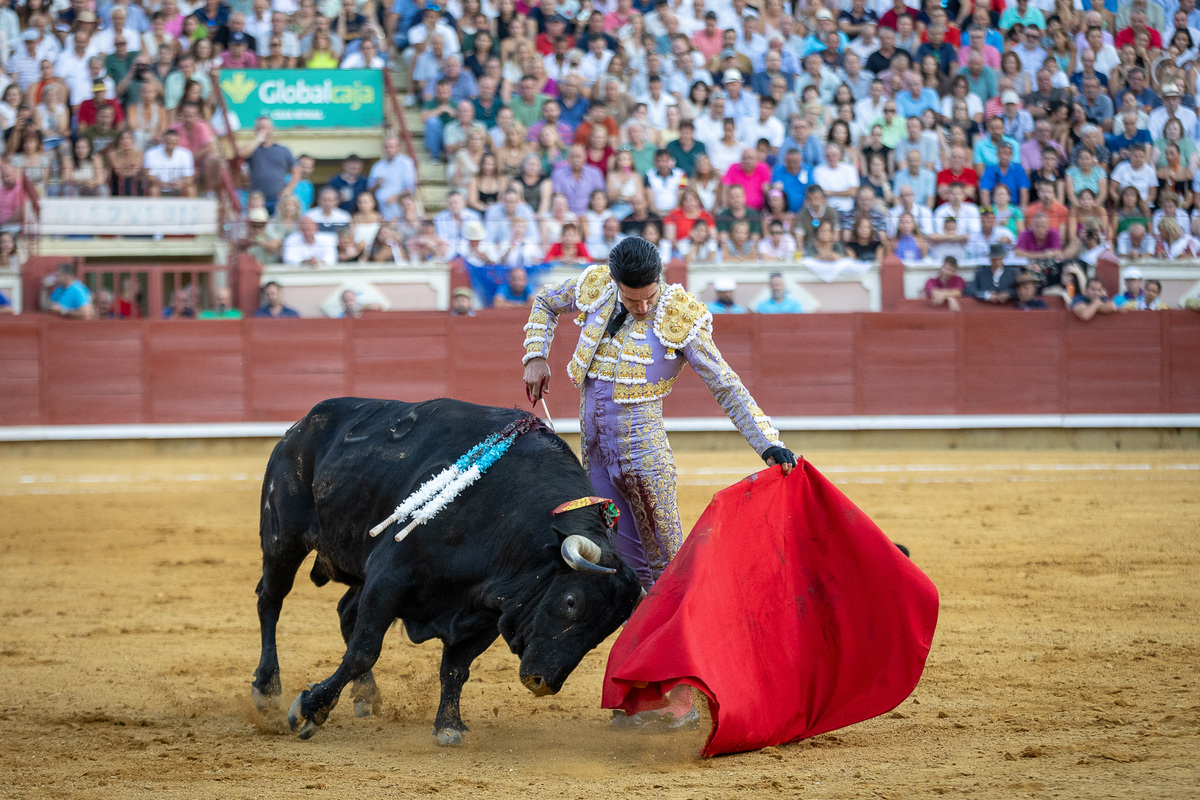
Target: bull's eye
(570, 605)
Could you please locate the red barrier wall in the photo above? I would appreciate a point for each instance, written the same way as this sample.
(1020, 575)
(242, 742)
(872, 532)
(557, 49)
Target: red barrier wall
(56, 371)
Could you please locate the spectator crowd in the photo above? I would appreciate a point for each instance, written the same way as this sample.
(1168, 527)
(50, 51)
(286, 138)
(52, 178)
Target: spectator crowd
(721, 131)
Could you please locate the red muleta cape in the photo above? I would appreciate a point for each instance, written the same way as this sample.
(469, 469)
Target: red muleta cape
(788, 608)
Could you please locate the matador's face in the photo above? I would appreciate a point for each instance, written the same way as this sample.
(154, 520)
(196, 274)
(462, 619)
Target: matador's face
(639, 302)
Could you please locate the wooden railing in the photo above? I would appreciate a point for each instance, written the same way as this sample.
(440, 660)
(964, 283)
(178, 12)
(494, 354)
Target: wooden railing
(150, 287)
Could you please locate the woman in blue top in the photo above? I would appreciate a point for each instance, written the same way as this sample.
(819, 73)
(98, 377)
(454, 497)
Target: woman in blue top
(910, 243)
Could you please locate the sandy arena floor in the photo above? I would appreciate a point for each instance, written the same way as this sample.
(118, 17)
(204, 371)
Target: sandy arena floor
(1065, 663)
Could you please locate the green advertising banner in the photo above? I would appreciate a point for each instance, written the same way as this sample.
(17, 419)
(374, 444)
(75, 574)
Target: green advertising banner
(305, 98)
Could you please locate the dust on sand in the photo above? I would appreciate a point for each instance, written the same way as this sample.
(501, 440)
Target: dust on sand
(1064, 664)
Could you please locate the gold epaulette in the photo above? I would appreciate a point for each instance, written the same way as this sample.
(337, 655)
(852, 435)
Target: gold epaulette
(595, 286)
(680, 318)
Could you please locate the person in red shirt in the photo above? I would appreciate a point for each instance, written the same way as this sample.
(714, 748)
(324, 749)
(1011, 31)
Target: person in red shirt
(678, 224)
(1137, 22)
(556, 28)
(888, 20)
(957, 172)
(88, 108)
(571, 250)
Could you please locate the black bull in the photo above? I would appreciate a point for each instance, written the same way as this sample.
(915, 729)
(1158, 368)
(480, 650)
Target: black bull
(493, 562)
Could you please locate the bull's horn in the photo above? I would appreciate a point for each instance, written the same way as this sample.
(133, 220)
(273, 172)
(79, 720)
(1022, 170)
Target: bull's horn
(583, 555)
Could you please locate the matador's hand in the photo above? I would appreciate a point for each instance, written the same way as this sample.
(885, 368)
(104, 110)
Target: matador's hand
(785, 458)
(537, 379)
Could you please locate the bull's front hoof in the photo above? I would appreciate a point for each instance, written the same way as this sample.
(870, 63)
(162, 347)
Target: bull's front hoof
(302, 726)
(538, 685)
(449, 737)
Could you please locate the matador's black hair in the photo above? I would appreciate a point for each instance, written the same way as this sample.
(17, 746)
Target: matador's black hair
(635, 263)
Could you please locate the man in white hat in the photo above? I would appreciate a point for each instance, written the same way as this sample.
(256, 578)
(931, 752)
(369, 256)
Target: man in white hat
(1172, 108)
(739, 104)
(1133, 289)
(725, 303)
(1018, 123)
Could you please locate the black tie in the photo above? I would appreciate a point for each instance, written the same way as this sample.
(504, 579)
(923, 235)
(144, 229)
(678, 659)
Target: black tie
(618, 319)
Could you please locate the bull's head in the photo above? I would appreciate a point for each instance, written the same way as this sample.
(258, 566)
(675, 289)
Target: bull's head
(578, 610)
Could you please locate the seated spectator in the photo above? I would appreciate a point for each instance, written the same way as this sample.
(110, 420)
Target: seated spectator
(272, 303)
(53, 115)
(1174, 242)
(125, 166)
(1136, 242)
(724, 288)
(1056, 213)
(351, 308)
(550, 226)
(34, 163)
(328, 216)
(222, 306)
(739, 244)
(427, 245)
(775, 208)
(946, 288)
(461, 302)
(1151, 297)
(513, 149)
(366, 220)
(393, 175)
(752, 176)
(1131, 209)
(777, 245)
(950, 243)
(183, 304)
(169, 168)
(966, 214)
(610, 236)
(1040, 241)
(1027, 297)
(389, 244)
(64, 294)
(1087, 174)
(1168, 209)
(309, 246)
(349, 183)
(517, 247)
(576, 180)
(1174, 176)
(824, 245)
(701, 245)
(516, 291)
(838, 179)
(994, 282)
(571, 250)
(779, 301)
(863, 242)
(640, 215)
(84, 173)
(678, 224)
(909, 242)
(917, 178)
(486, 186)
(1094, 300)
(1128, 299)
(10, 258)
(1136, 173)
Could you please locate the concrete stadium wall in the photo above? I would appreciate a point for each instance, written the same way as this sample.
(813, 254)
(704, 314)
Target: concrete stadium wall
(913, 363)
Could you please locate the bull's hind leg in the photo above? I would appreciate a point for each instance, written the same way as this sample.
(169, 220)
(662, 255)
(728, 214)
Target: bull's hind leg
(283, 553)
(376, 612)
(456, 668)
(367, 700)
